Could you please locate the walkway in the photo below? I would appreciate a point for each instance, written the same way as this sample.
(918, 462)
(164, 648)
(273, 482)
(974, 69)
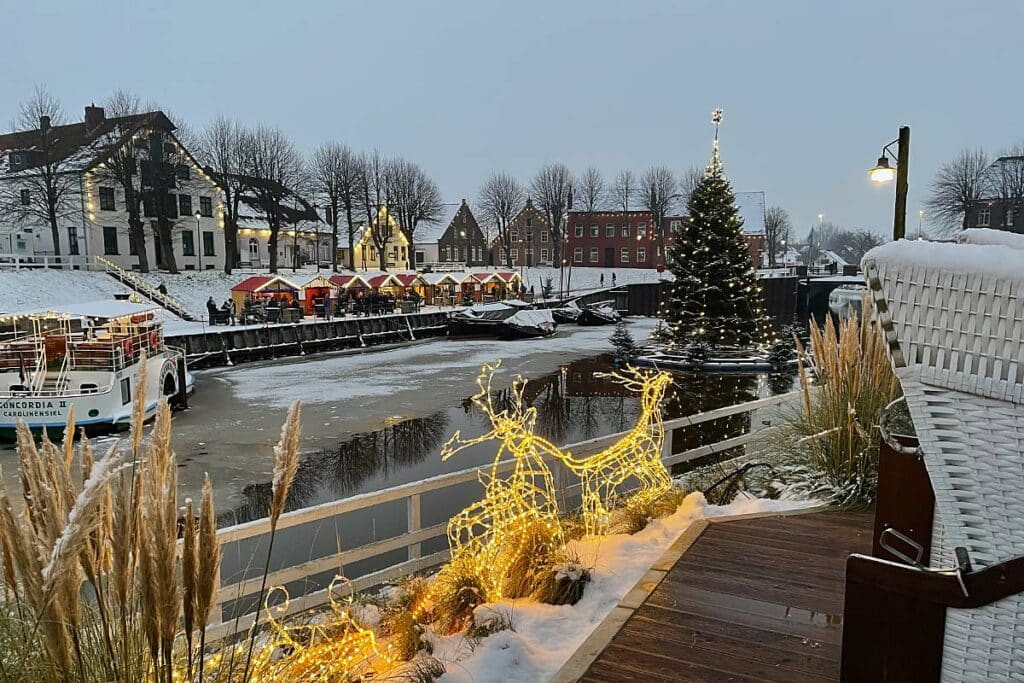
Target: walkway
(751, 600)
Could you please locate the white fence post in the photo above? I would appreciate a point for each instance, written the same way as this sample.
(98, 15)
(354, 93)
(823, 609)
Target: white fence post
(412, 508)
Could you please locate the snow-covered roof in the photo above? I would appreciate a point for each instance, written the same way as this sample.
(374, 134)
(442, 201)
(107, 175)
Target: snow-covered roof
(751, 208)
(257, 283)
(832, 257)
(984, 259)
(428, 233)
(92, 309)
(439, 278)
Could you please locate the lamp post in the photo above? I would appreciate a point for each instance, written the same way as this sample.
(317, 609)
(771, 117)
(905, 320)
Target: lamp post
(920, 225)
(884, 173)
(465, 245)
(199, 244)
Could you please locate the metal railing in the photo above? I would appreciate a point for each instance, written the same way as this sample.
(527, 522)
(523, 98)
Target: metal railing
(415, 535)
(147, 290)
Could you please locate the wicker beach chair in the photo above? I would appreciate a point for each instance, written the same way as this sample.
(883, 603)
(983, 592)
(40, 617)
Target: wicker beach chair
(953, 316)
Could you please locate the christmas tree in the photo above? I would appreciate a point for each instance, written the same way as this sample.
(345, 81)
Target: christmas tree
(715, 299)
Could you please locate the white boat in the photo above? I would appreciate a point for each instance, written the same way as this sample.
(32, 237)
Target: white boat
(88, 356)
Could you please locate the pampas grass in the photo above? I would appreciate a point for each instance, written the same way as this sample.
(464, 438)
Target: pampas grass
(835, 437)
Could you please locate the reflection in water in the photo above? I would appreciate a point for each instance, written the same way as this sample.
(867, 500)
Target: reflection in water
(574, 404)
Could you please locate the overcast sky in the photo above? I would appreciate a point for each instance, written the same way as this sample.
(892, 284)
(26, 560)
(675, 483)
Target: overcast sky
(811, 89)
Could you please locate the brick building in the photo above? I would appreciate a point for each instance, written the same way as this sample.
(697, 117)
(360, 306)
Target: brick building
(627, 239)
(531, 240)
(455, 239)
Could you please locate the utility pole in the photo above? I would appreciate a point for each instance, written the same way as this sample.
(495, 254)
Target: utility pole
(899, 225)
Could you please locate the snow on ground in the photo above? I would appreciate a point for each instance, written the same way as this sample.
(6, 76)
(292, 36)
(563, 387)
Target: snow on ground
(544, 637)
(30, 289)
(588, 279)
(337, 378)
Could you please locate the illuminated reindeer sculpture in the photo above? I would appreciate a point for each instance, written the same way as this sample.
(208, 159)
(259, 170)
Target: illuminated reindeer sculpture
(516, 523)
(636, 455)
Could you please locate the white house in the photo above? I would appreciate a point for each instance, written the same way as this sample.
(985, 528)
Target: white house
(92, 216)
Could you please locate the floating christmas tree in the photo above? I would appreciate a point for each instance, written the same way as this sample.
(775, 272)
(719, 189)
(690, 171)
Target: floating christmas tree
(715, 300)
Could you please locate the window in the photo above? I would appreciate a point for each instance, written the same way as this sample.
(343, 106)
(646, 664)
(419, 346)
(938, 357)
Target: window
(593, 254)
(109, 240)
(984, 217)
(185, 204)
(625, 230)
(503, 255)
(515, 255)
(641, 255)
(543, 254)
(421, 257)
(181, 171)
(188, 243)
(579, 230)
(513, 236)
(577, 255)
(595, 231)
(529, 236)
(657, 250)
(609, 231)
(126, 391)
(641, 229)
(1010, 214)
(26, 197)
(208, 243)
(133, 248)
(206, 206)
(171, 206)
(107, 199)
(529, 222)
(72, 241)
(676, 225)
(544, 236)
(624, 255)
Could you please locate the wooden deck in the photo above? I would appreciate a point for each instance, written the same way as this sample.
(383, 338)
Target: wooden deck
(751, 600)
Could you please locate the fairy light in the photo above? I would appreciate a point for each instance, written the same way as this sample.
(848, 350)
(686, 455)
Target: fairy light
(635, 456)
(518, 509)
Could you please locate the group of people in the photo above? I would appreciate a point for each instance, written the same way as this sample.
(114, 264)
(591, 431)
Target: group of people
(224, 315)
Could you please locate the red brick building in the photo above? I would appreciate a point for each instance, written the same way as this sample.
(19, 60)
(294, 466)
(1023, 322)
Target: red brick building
(626, 239)
(531, 240)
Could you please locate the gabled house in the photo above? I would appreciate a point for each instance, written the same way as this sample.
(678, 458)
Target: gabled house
(111, 169)
(383, 230)
(530, 240)
(454, 240)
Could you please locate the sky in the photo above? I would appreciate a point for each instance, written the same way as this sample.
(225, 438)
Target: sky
(811, 89)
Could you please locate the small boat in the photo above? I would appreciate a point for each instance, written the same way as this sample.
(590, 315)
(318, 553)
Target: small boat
(501, 320)
(569, 313)
(88, 357)
(665, 360)
(600, 313)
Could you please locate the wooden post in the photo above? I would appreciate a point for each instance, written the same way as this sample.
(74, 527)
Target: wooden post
(899, 223)
(413, 514)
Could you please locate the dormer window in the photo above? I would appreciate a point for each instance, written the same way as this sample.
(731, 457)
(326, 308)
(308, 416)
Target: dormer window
(17, 160)
(26, 197)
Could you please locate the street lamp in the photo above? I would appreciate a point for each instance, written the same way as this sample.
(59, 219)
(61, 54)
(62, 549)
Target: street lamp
(920, 225)
(465, 245)
(884, 173)
(199, 244)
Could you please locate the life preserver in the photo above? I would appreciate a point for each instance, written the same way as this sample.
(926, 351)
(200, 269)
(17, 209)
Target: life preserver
(154, 340)
(128, 347)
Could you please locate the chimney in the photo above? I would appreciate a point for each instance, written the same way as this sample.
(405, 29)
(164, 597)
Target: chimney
(44, 123)
(94, 116)
(463, 202)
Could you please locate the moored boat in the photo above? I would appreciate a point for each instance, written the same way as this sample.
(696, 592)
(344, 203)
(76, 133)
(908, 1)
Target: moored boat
(501, 320)
(88, 357)
(599, 313)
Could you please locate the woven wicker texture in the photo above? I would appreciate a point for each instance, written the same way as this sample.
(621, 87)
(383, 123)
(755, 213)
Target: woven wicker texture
(957, 343)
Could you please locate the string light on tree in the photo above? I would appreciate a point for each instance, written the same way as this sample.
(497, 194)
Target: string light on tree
(710, 301)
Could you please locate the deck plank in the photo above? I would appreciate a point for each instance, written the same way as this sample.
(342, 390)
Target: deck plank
(756, 599)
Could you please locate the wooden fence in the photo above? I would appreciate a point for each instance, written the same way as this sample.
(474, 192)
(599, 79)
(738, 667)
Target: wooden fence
(408, 551)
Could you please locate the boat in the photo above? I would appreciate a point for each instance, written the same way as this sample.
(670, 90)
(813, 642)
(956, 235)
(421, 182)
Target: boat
(599, 313)
(86, 357)
(665, 360)
(568, 313)
(502, 320)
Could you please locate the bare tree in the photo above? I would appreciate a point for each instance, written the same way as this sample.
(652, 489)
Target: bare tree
(551, 190)
(777, 228)
(334, 171)
(957, 185)
(688, 182)
(658, 192)
(414, 199)
(224, 149)
(373, 195)
(275, 168)
(590, 191)
(1005, 178)
(624, 189)
(44, 188)
(500, 198)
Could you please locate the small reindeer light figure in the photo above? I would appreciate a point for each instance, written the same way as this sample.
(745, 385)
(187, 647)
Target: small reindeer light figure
(636, 455)
(516, 521)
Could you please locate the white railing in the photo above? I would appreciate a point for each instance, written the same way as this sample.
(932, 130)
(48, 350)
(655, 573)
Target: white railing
(31, 261)
(144, 288)
(415, 534)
